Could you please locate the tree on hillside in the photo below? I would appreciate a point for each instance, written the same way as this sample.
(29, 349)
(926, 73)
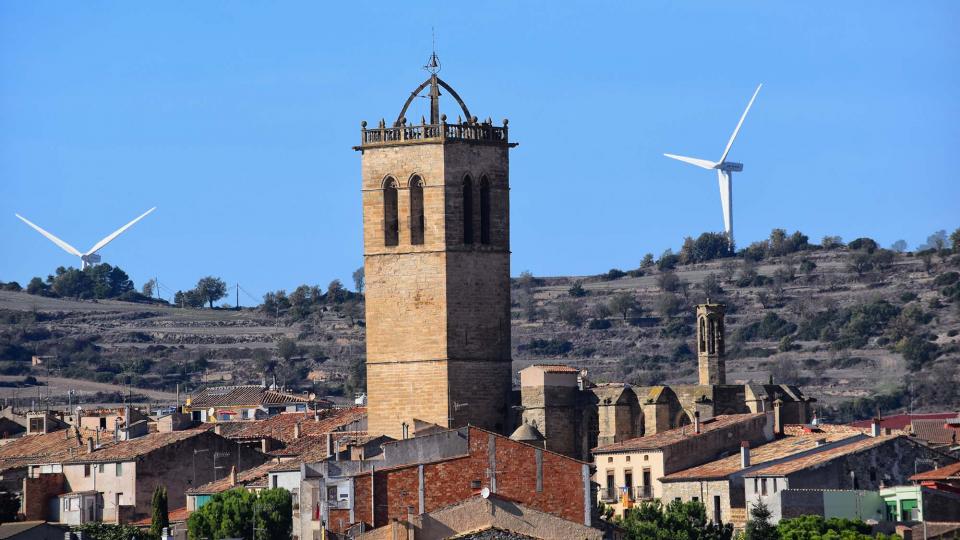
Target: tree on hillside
(211, 289)
(899, 246)
(623, 303)
(648, 261)
(759, 526)
(287, 349)
(955, 241)
(148, 288)
(160, 516)
(937, 241)
(336, 294)
(831, 242)
(668, 281)
(359, 280)
(264, 361)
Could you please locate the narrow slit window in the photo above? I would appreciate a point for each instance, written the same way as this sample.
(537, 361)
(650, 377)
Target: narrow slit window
(416, 211)
(484, 210)
(467, 211)
(391, 221)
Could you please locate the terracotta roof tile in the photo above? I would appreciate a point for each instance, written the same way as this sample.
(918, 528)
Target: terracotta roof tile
(819, 458)
(134, 448)
(242, 396)
(667, 438)
(950, 472)
(43, 448)
(178, 515)
(935, 432)
(556, 368)
(901, 421)
(280, 427)
(247, 478)
(780, 449)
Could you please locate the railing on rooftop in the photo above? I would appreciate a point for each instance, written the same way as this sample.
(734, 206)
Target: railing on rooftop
(467, 131)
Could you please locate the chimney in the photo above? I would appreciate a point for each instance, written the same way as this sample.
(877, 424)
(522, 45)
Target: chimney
(821, 442)
(264, 445)
(89, 445)
(316, 414)
(696, 422)
(744, 454)
(296, 431)
(875, 427)
(218, 429)
(329, 444)
(233, 476)
(406, 430)
(778, 417)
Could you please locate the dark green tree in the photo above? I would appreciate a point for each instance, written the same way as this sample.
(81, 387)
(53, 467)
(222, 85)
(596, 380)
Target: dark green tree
(210, 289)
(161, 518)
(623, 303)
(108, 531)
(759, 526)
(238, 513)
(287, 349)
(815, 527)
(650, 520)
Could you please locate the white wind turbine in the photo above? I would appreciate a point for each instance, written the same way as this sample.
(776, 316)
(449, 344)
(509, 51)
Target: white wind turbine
(725, 170)
(90, 257)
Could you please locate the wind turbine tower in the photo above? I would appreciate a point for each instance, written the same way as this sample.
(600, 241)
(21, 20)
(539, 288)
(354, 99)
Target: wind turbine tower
(90, 257)
(725, 170)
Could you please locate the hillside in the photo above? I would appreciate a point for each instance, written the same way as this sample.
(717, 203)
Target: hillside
(858, 328)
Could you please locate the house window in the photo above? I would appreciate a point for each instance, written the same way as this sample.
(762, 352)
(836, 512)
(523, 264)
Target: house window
(716, 509)
(103, 422)
(611, 486)
(467, 210)
(763, 487)
(873, 474)
(628, 482)
(66, 504)
(86, 470)
(416, 211)
(774, 485)
(484, 210)
(273, 481)
(628, 459)
(119, 469)
(475, 484)
(101, 467)
(391, 220)
(756, 485)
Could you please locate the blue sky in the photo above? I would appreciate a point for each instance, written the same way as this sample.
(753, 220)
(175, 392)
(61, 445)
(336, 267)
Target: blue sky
(237, 119)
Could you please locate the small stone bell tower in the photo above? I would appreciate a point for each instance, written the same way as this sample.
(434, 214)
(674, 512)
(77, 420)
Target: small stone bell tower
(436, 256)
(710, 353)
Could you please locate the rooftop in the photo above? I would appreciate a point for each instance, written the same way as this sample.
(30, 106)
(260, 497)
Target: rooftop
(901, 421)
(43, 448)
(243, 396)
(673, 436)
(178, 515)
(819, 458)
(131, 449)
(255, 477)
(949, 472)
(936, 432)
(281, 428)
(783, 448)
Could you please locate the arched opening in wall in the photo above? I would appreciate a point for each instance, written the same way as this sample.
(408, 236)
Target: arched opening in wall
(484, 210)
(467, 210)
(711, 336)
(391, 219)
(702, 335)
(682, 419)
(416, 211)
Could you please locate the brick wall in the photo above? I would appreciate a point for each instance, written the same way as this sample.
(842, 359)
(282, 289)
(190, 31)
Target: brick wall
(37, 492)
(514, 466)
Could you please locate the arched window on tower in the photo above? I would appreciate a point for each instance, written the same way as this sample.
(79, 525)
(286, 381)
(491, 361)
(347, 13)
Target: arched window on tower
(391, 221)
(484, 210)
(711, 335)
(416, 210)
(467, 210)
(702, 335)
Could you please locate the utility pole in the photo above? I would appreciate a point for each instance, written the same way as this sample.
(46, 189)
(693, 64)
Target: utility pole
(238, 296)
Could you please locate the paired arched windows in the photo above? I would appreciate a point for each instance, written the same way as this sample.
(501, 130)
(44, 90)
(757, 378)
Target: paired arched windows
(391, 217)
(467, 210)
(416, 210)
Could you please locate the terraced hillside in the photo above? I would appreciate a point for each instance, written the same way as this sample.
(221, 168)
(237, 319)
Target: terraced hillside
(859, 329)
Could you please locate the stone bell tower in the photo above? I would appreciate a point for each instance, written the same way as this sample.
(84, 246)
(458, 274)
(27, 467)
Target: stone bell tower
(436, 242)
(710, 353)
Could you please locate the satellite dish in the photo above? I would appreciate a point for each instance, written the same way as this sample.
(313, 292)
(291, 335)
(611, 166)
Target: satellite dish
(485, 493)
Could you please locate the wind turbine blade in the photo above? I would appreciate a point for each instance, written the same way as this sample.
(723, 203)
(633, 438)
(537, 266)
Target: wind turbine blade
(724, 180)
(99, 245)
(702, 163)
(740, 123)
(63, 245)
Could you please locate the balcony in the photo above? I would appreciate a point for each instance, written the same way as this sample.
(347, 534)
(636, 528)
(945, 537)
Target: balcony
(483, 132)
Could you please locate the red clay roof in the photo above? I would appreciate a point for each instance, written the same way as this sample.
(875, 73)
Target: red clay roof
(242, 396)
(819, 458)
(666, 438)
(935, 432)
(773, 451)
(280, 427)
(901, 421)
(557, 368)
(51, 447)
(949, 472)
(178, 515)
(248, 478)
(134, 448)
